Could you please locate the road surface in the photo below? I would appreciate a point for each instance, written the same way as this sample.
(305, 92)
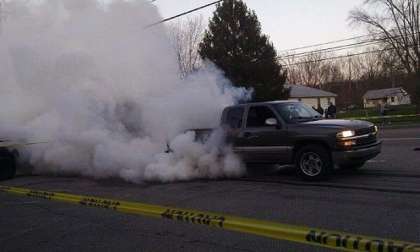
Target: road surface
(381, 200)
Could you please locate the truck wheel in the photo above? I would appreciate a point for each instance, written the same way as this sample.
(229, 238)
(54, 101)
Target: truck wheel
(313, 163)
(354, 167)
(7, 166)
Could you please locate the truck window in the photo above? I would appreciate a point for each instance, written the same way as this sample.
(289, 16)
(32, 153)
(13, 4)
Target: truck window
(258, 115)
(234, 118)
(292, 112)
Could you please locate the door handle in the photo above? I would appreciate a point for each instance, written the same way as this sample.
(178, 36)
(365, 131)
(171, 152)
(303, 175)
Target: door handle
(249, 135)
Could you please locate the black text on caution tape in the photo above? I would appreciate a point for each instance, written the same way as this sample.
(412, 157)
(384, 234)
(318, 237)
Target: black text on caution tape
(194, 217)
(357, 243)
(40, 194)
(100, 203)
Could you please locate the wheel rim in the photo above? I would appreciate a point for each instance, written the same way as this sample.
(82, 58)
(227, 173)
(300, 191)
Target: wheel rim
(311, 164)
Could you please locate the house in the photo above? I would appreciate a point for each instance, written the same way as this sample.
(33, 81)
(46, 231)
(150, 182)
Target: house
(311, 96)
(389, 96)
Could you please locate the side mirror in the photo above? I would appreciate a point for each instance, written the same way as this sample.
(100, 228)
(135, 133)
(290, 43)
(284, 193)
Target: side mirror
(271, 122)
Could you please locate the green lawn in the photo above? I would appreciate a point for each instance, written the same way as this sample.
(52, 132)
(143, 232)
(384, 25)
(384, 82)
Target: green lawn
(405, 113)
(399, 120)
(394, 110)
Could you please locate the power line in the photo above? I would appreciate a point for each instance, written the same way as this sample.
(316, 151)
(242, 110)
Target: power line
(333, 49)
(184, 13)
(344, 47)
(340, 57)
(332, 42)
(326, 43)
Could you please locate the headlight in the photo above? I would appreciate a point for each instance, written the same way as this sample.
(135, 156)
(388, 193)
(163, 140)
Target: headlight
(376, 129)
(346, 134)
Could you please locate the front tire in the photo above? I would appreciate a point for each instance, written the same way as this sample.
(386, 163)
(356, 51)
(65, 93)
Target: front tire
(313, 163)
(7, 165)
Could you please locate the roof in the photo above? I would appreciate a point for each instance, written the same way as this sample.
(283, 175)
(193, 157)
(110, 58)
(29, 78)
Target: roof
(384, 93)
(300, 91)
(262, 103)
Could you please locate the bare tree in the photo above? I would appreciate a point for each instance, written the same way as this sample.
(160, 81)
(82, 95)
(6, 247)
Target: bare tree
(186, 37)
(398, 23)
(311, 70)
(368, 66)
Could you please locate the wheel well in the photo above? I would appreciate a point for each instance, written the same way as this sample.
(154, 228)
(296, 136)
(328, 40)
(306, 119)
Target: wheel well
(5, 151)
(301, 144)
(13, 154)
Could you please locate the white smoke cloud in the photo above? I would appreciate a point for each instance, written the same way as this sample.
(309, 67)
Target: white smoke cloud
(106, 94)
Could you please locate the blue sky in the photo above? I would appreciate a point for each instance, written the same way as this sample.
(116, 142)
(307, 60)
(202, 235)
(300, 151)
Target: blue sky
(288, 23)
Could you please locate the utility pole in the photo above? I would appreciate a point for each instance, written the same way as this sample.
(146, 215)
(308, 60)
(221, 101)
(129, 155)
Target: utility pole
(350, 90)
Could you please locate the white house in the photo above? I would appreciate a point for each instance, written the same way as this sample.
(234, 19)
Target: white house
(311, 96)
(389, 96)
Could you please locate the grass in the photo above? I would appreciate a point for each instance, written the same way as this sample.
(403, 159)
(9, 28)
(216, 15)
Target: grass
(399, 120)
(405, 113)
(394, 110)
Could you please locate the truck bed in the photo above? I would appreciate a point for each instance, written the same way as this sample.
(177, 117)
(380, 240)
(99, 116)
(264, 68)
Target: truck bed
(201, 135)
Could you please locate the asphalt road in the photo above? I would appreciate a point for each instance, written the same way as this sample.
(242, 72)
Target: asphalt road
(381, 200)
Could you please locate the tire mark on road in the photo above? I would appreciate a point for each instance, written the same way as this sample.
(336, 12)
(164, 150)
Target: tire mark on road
(334, 185)
(402, 139)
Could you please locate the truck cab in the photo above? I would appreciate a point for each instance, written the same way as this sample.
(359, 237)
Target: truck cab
(292, 133)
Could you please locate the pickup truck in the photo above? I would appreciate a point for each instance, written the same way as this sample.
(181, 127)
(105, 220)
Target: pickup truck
(280, 132)
(292, 133)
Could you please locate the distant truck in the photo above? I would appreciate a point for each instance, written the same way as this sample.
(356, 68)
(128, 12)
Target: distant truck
(292, 133)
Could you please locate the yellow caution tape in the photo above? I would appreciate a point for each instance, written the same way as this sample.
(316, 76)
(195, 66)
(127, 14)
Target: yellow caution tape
(312, 236)
(382, 117)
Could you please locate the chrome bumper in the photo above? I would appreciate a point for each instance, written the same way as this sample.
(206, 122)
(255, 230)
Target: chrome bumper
(357, 155)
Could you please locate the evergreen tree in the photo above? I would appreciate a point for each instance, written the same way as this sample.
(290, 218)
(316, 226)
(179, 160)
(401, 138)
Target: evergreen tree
(235, 44)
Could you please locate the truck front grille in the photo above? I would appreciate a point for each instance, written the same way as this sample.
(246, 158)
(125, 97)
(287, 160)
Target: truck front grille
(370, 136)
(365, 131)
(366, 140)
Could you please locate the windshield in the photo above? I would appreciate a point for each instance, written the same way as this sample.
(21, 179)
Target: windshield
(293, 112)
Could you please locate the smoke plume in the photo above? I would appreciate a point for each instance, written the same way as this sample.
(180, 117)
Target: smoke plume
(105, 93)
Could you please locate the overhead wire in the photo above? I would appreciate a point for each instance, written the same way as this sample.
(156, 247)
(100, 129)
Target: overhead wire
(333, 49)
(183, 13)
(302, 54)
(342, 56)
(331, 42)
(341, 47)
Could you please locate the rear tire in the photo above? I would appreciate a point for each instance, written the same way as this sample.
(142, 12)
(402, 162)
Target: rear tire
(7, 165)
(313, 163)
